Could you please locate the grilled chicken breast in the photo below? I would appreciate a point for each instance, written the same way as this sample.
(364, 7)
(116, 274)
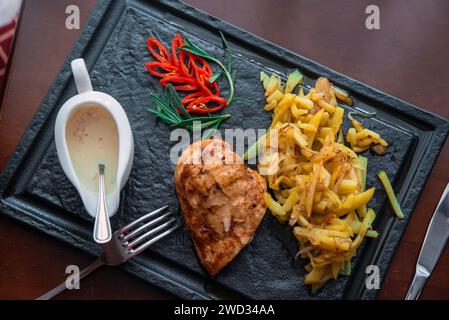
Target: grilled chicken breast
(222, 201)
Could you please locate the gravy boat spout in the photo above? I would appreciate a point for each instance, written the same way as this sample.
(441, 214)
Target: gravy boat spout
(106, 105)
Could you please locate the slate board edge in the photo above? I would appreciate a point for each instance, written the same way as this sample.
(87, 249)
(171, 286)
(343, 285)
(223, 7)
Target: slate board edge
(442, 125)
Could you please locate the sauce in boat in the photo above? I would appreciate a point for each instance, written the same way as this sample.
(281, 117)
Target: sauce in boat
(92, 139)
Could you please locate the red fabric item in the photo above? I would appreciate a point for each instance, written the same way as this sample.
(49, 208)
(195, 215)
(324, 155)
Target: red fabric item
(6, 36)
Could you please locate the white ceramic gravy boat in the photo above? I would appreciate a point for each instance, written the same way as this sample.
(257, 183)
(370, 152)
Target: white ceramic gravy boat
(87, 96)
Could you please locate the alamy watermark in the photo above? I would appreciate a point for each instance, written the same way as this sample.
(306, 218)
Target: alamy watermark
(73, 280)
(238, 140)
(372, 280)
(372, 21)
(73, 19)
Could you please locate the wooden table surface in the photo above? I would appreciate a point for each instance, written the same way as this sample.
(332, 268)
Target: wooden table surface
(407, 57)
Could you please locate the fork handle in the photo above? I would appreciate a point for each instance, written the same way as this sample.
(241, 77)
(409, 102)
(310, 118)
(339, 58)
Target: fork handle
(52, 293)
(102, 225)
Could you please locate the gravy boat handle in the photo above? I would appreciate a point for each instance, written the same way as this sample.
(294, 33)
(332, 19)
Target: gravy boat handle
(81, 75)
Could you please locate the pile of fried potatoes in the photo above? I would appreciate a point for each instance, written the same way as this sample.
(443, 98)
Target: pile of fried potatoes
(361, 139)
(317, 183)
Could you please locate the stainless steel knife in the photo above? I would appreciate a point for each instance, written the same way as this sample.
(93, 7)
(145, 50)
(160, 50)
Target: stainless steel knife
(434, 242)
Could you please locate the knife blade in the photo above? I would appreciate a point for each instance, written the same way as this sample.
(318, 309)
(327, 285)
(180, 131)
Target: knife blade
(434, 243)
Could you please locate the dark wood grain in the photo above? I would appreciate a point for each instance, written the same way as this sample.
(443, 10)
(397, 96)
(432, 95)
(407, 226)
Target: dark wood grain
(407, 58)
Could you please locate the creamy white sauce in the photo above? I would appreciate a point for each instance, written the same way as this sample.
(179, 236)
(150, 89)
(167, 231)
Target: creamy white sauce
(92, 138)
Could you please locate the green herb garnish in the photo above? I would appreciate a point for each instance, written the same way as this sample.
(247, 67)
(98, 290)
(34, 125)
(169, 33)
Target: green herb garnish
(227, 71)
(353, 114)
(166, 108)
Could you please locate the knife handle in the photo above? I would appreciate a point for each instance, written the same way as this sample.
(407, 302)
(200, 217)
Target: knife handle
(433, 245)
(419, 280)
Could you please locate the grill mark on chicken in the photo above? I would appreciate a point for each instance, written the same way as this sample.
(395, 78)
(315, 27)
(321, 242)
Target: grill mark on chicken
(222, 204)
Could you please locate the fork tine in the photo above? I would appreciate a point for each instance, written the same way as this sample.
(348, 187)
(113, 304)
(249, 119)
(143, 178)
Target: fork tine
(148, 215)
(145, 226)
(142, 247)
(149, 233)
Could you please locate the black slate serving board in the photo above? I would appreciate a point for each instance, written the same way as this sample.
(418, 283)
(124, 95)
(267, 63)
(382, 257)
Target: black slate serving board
(34, 189)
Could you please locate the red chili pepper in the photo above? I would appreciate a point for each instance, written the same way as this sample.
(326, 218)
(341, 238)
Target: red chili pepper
(154, 66)
(199, 105)
(190, 97)
(163, 55)
(186, 72)
(202, 84)
(177, 42)
(180, 83)
(182, 63)
(195, 60)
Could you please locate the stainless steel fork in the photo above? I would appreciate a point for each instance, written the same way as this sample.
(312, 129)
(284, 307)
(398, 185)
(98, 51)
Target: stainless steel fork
(127, 242)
